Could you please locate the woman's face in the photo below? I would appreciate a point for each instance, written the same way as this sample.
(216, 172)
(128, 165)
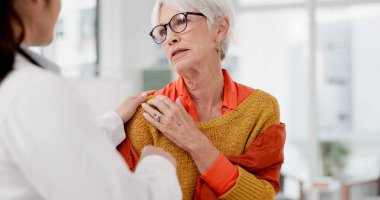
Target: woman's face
(191, 48)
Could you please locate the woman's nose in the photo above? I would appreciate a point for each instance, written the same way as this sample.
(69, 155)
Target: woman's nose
(172, 37)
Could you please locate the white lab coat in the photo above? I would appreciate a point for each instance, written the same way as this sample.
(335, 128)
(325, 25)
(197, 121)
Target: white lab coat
(52, 149)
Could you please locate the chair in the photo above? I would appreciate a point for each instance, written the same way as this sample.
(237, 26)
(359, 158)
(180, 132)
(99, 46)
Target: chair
(281, 195)
(361, 188)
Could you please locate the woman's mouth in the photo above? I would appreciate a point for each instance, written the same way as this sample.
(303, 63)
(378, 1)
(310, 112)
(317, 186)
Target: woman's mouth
(178, 53)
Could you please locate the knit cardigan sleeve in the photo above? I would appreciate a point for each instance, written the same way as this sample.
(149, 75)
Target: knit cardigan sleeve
(139, 131)
(259, 167)
(249, 187)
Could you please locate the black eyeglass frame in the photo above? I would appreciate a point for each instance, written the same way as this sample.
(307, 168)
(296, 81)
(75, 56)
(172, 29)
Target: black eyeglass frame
(168, 24)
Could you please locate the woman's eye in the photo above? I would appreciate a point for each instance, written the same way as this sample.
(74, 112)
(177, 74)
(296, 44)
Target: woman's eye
(180, 21)
(162, 32)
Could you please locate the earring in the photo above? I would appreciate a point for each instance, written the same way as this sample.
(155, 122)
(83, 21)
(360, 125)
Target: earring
(218, 49)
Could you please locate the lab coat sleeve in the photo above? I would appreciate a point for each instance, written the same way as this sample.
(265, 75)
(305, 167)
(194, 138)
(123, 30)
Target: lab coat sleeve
(112, 126)
(54, 140)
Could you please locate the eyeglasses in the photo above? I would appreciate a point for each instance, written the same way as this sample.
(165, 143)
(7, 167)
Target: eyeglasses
(177, 24)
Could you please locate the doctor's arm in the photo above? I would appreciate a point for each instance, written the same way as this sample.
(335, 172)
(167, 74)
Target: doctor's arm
(113, 122)
(56, 144)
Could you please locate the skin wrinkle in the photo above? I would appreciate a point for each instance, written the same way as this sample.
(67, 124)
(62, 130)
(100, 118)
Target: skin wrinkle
(200, 64)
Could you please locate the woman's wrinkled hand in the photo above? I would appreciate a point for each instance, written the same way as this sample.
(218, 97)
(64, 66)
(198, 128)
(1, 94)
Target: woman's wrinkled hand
(128, 108)
(178, 126)
(172, 120)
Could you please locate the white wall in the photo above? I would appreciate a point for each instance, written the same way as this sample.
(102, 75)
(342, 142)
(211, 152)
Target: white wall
(102, 94)
(125, 50)
(272, 52)
(125, 44)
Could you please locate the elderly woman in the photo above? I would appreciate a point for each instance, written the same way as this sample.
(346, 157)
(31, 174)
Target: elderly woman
(227, 137)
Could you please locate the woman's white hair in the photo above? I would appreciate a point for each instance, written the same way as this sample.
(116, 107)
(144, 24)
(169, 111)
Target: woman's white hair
(212, 9)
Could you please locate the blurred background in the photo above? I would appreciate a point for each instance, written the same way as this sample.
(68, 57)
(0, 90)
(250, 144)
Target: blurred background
(320, 58)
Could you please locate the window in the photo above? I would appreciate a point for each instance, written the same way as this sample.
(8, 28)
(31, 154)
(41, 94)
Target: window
(348, 71)
(272, 52)
(75, 47)
(277, 42)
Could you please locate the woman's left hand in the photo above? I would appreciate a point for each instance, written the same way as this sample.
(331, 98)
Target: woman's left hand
(179, 127)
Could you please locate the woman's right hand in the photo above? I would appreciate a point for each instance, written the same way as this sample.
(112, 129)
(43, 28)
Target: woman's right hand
(152, 150)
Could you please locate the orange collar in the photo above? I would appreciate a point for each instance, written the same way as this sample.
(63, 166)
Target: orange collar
(231, 97)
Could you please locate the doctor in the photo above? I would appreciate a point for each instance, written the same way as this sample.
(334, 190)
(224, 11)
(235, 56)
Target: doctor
(50, 147)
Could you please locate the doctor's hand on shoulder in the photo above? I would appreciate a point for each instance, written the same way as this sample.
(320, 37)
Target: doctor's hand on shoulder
(128, 108)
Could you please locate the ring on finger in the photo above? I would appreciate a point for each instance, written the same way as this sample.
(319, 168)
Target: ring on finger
(157, 117)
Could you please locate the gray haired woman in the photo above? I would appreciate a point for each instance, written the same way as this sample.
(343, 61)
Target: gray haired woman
(227, 137)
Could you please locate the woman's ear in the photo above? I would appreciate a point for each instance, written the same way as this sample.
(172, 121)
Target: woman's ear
(223, 26)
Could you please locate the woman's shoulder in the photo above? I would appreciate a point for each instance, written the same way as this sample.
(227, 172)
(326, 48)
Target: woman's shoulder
(245, 92)
(258, 96)
(265, 97)
(261, 103)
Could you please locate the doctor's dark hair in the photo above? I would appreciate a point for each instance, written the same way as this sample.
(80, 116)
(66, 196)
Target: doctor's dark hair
(8, 41)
